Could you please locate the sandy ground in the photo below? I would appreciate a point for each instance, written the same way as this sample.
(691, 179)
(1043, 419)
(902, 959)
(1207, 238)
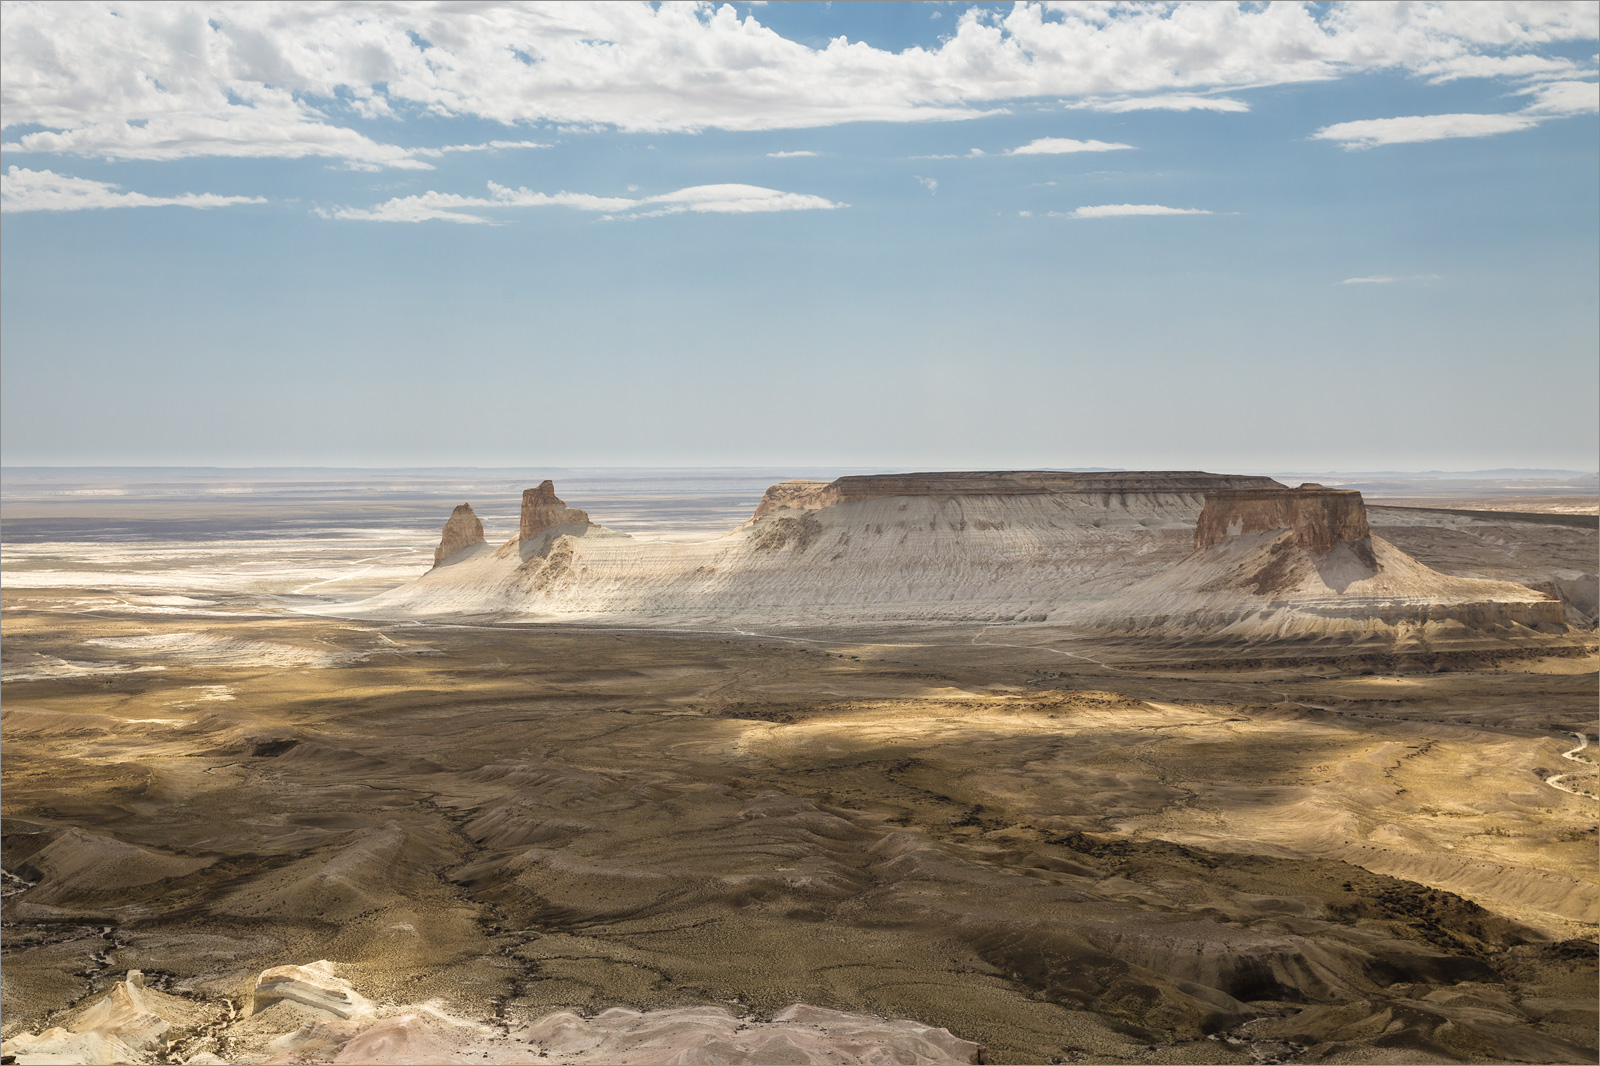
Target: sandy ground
(1055, 848)
(1048, 856)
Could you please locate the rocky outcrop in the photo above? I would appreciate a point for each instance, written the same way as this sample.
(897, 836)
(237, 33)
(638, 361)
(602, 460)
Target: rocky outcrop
(130, 1023)
(1321, 519)
(542, 510)
(799, 1033)
(795, 494)
(315, 986)
(1302, 564)
(306, 1014)
(462, 531)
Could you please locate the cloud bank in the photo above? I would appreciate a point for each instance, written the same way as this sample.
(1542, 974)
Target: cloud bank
(291, 80)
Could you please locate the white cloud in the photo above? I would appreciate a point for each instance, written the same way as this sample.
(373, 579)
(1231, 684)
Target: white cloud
(931, 184)
(1563, 98)
(277, 128)
(699, 199)
(1481, 66)
(1063, 145)
(487, 146)
(1554, 99)
(789, 155)
(283, 79)
(1125, 210)
(736, 200)
(1163, 102)
(45, 190)
(1385, 279)
(1410, 129)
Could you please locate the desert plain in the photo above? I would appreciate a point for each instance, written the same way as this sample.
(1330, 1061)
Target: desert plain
(490, 838)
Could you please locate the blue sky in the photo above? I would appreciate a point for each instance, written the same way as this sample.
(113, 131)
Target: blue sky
(1255, 237)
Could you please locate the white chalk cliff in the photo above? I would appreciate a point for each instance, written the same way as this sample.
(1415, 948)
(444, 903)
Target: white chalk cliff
(1107, 550)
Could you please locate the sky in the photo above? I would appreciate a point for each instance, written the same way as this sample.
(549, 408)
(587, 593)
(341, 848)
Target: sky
(1249, 237)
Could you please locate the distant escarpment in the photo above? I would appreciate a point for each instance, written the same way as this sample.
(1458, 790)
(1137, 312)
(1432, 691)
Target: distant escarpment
(1176, 551)
(462, 531)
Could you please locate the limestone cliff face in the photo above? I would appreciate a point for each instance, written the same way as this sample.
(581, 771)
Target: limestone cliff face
(1322, 519)
(463, 530)
(1041, 482)
(541, 509)
(815, 495)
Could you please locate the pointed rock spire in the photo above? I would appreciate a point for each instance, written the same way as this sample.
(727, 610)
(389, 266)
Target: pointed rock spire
(541, 509)
(463, 530)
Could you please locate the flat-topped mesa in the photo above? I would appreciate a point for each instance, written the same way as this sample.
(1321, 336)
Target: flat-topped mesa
(1321, 518)
(814, 495)
(542, 509)
(1040, 482)
(461, 531)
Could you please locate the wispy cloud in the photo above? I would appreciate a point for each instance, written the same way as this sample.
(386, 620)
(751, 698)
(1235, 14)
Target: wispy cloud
(1385, 279)
(486, 146)
(275, 126)
(698, 199)
(1064, 145)
(1412, 129)
(931, 184)
(789, 155)
(1562, 98)
(1482, 66)
(1559, 99)
(1039, 146)
(1163, 102)
(1127, 210)
(45, 190)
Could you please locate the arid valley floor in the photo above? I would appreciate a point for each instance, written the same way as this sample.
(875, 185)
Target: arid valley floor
(1058, 846)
